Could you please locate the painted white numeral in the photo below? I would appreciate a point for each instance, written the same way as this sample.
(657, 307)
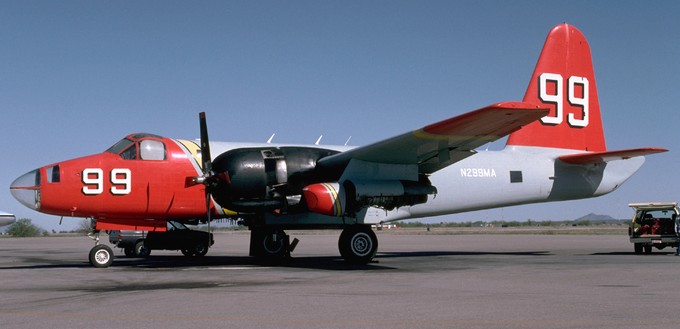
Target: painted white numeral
(573, 83)
(121, 176)
(93, 178)
(553, 99)
(582, 101)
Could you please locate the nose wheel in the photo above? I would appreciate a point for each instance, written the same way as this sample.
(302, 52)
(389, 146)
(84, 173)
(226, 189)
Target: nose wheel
(100, 255)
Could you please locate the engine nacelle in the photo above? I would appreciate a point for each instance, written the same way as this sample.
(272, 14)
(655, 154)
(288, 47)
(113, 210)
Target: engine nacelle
(324, 198)
(264, 176)
(335, 200)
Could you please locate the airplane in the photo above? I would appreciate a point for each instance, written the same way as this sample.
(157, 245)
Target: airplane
(555, 151)
(6, 218)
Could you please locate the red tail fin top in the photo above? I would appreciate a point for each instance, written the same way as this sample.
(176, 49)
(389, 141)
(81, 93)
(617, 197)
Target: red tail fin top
(564, 81)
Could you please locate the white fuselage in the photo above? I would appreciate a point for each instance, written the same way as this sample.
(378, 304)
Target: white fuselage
(515, 176)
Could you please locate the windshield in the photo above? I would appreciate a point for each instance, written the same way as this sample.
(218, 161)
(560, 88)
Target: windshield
(149, 149)
(121, 145)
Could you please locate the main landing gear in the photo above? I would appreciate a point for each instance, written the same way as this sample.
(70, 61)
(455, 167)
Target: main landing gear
(101, 255)
(270, 244)
(357, 244)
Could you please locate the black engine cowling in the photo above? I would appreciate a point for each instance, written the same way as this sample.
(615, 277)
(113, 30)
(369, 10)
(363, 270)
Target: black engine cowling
(265, 176)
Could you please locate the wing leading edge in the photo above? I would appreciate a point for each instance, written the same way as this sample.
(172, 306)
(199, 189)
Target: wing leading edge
(441, 144)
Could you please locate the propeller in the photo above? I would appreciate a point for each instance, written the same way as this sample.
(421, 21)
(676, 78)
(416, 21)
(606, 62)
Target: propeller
(207, 165)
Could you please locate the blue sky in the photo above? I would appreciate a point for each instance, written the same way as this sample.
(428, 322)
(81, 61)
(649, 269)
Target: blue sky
(76, 76)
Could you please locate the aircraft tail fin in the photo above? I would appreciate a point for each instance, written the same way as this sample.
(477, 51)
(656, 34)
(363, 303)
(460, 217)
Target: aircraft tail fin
(564, 81)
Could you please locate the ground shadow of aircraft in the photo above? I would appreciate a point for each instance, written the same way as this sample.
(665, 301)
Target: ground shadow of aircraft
(462, 253)
(328, 263)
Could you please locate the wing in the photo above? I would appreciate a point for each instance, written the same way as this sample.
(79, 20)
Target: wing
(601, 157)
(441, 144)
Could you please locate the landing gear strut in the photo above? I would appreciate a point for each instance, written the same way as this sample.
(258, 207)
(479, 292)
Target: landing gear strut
(100, 255)
(358, 244)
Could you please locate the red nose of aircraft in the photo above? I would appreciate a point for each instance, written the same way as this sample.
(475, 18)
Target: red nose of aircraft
(26, 189)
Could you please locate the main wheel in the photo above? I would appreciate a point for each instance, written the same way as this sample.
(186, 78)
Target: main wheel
(129, 251)
(269, 244)
(648, 249)
(358, 244)
(101, 256)
(273, 242)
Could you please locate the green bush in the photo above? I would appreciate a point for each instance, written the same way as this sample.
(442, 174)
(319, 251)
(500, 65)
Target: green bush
(24, 228)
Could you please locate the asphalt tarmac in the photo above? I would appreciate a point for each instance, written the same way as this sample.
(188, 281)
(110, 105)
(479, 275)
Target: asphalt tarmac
(417, 281)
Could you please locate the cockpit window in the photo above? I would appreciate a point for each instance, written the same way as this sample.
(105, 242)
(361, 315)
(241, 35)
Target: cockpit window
(121, 145)
(130, 153)
(53, 174)
(150, 149)
(139, 146)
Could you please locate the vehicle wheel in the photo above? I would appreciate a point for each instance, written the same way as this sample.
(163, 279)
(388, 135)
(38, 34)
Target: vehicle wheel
(648, 249)
(200, 249)
(141, 250)
(187, 252)
(358, 244)
(638, 248)
(101, 256)
(129, 251)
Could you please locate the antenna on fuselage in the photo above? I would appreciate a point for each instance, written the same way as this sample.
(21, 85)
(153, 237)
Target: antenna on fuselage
(347, 142)
(269, 141)
(318, 140)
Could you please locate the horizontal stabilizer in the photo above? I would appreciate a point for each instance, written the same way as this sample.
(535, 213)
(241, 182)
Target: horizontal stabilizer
(606, 156)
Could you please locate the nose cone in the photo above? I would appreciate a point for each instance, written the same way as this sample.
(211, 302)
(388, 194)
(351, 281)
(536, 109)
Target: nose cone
(26, 189)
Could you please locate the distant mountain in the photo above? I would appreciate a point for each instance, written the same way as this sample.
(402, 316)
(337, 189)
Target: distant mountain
(597, 218)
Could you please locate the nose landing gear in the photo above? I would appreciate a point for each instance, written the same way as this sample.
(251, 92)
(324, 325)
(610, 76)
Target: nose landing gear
(100, 255)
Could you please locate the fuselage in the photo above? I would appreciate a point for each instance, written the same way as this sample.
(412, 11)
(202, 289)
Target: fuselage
(120, 184)
(515, 176)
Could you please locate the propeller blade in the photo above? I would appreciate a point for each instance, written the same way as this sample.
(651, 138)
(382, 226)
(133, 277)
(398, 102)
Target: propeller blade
(207, 212)
(205, 145)
(207, 165)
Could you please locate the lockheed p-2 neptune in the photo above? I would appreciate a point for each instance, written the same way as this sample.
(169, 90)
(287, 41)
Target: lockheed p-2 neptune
(555, 151)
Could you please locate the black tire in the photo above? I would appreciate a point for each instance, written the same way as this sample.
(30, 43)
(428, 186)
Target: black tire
(269, 244)
(273, 243)
(358, 244)
(141, 250)
(200, 249)
(129, 251)
(648, 249)
(101, 256)
(187, 252)
(638, 248)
